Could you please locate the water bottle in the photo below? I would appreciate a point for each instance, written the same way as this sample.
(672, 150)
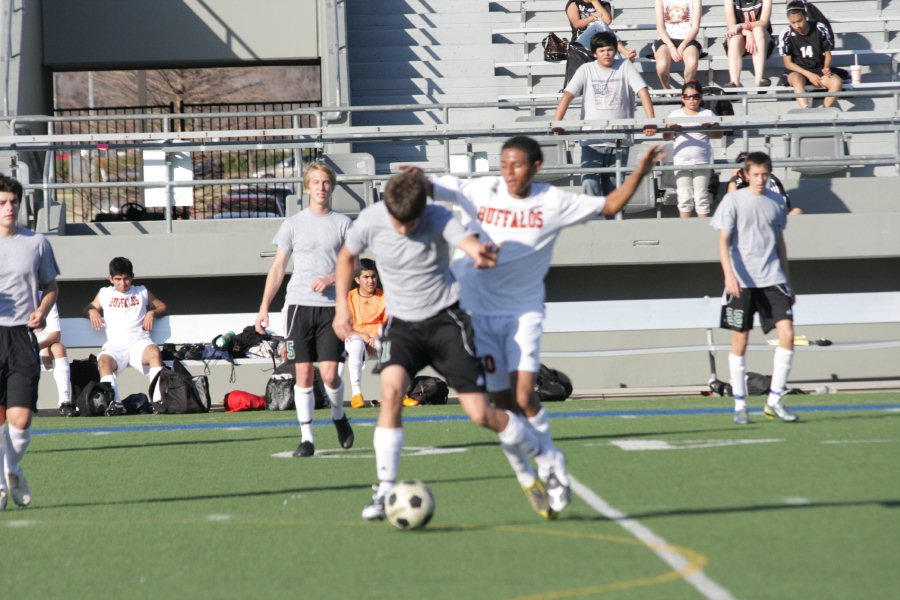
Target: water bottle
(225, 340)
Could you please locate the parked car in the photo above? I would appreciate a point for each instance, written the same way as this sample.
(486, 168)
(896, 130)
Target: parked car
(250, 206)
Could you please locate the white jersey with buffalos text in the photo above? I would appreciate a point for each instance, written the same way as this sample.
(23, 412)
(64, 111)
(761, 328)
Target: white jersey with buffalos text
(524, 229)
(124, 314)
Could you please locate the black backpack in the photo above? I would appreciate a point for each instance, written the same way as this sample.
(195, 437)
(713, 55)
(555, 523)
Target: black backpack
(758, 384)
(180, 392)
(246, 339)
(552, 385)
(576, 56)
(94, 399)
(428, 390)
(280, 389)
(83, 371)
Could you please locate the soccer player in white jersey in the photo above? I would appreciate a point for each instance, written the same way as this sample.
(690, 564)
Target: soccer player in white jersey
(753, 255)
(127, 312)
(411, 240)
(28, 290)
(524, 219)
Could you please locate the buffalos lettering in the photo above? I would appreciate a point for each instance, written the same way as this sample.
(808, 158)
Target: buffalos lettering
(511, 219)
(126, 302)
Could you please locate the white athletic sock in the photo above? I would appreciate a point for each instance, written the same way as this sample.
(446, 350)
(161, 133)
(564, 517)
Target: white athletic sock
(304, 403)
(388, 443)
(541, 424)
(520, 463)
(336, 399)
(781, 368)
(62, 376)
(112, 380)
(520, 434)
(157, 393)
(740, 403)
(356, 360)
(17, 441)
(2, 456)
(737, 367)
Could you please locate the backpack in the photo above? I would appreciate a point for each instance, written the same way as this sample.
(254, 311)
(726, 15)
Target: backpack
(576, 56)
(239, 401)
(180, 392)
(428, 390)
(246, 339)
(82, 372)
(552, 385)
(94, 399)
(758, 384)
(280, 388)
(722, 108)
(137, 404)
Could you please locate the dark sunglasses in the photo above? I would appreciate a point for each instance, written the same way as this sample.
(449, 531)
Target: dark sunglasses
(691, 96)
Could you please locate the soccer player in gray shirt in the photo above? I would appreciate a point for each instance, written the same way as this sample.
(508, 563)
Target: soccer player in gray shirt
(27, 269)
(754, 261)
(312, 237)
(412, 241)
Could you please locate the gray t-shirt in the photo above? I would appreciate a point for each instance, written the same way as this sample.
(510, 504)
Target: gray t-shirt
(314, 241)
(414, 269)
(26, 264)
(608, 94)
(754, 223)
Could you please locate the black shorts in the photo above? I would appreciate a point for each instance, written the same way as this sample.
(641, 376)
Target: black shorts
(310, 336)
(772, 303)
(20, 368)
(658, 43)
(445, 341)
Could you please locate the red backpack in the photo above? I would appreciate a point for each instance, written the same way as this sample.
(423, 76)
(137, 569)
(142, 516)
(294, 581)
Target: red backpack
(238, 400)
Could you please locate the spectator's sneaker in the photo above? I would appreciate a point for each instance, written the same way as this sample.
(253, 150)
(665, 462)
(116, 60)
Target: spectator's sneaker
(538, 498)
(67, 409)
(357, 401)
(374, 510)
(18, 488)
(344, 432)
(115, 409)
(3, 497)
(764, 82)
(741, 417)
(779, 411)
(304, 450)
(408, 402)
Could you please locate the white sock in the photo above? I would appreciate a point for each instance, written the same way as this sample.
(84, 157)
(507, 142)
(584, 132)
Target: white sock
(112, 380)
(157, 393)
(17, 441)
(781, 368)
(336, 399)
(388, 443)
(62, 376)
(541, 424)
(304, 403)
(520, 463)
(740, 404)
(737, 367)
(521, 435)
(2, 457)
(356, 360)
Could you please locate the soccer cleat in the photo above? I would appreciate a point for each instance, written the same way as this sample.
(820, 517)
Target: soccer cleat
(115, 409)
(304, 450)
(344, 432)
(741, 417)
(66, 409)
(779, 411)
(374, 510)
(18, 488)
(558, 494)
(553, 472)
(408, 401)
(3, 497)
(538, 498)
(357, 401)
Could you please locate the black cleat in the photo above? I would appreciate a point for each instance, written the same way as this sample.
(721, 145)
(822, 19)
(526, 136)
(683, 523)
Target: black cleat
(344, 432)
(305, 450)
(66, 409)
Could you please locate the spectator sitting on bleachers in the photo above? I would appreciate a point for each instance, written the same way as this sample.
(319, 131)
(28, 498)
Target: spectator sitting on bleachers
(806, 46)
(589, 17)
(677, 23)
(749, 32)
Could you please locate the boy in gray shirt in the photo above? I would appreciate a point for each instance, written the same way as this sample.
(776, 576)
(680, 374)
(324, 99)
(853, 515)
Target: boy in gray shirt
(412, 241)
(27, 269)
(313, 238)
(754, 262)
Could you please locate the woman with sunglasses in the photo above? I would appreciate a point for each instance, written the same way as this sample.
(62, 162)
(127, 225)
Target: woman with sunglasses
(692, 148)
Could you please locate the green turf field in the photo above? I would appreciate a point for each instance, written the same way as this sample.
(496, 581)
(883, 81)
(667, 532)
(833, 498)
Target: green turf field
(146, 510)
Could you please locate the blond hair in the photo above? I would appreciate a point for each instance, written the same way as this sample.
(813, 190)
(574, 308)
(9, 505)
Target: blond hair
(318, 166)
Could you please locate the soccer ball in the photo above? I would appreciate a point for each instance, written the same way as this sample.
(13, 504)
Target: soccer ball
(409, 505)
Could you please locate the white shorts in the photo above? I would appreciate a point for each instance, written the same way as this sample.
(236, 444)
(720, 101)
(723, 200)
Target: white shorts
(369, 353)
(52, 325)
(506, 344)
(131, 354)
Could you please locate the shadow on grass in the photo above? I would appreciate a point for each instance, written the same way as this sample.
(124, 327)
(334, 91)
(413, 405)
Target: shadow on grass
(189, 443)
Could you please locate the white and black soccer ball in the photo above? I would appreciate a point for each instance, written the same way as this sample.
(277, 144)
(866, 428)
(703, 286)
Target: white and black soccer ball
(409, 505)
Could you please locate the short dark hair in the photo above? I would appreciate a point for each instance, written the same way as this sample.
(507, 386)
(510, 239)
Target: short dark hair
(120, 266)
(8, 184)
(405, 196)
(693, 84)
(527, 145)
(604, 39)
(367, 264)
(758, 158)
(796, 6)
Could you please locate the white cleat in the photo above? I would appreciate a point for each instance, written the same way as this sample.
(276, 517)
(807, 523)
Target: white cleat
(778, 410)
(553, 472)
(18, 488)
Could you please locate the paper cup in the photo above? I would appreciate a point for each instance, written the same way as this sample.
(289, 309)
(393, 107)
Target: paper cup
(855, 74)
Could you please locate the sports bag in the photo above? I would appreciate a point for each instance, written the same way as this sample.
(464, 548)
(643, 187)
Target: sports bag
(179, 394)
(83, 371)
(239, 401)
(428, 390)
(280, 388)
(555, 48)
(552, 385)
(576, 55)
(94, 399)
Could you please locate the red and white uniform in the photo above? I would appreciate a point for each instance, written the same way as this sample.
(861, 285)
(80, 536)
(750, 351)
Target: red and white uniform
(123, 313)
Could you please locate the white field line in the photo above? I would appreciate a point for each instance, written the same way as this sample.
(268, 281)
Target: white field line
(698, 579)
